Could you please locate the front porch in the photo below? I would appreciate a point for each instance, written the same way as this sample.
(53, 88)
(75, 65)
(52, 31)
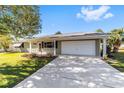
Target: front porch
(45, 47)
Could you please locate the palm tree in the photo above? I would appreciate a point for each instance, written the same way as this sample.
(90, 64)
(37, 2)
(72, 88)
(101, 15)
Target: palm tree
(114, 39)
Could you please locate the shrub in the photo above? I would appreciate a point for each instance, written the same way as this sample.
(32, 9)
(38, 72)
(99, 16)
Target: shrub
(29, 55)
(49, 55)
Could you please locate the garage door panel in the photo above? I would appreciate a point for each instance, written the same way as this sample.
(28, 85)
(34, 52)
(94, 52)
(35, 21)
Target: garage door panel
(78, 47)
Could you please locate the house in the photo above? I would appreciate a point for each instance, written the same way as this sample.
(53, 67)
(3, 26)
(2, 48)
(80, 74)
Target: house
(87, 44)
(17, 46)
(121, 48)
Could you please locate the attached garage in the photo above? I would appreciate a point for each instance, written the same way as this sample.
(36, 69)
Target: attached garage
(85, 47)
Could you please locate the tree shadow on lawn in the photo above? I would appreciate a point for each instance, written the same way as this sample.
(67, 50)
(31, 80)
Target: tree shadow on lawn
(118, 61)
(12, 75)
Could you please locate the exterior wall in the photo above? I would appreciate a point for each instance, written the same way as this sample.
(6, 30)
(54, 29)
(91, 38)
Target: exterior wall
(58, 51)
(98, 47)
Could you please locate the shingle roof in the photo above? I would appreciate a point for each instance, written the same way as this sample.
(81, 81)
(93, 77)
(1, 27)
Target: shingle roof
(70, 35)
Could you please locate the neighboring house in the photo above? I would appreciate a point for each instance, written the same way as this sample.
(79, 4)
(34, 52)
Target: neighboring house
(122, 44)
(17, 46)
(70, 43)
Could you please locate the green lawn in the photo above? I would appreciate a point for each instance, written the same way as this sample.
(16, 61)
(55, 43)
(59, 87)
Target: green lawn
(14, 68)
(118, 61)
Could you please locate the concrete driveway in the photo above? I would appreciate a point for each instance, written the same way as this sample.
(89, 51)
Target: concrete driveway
(75, 71)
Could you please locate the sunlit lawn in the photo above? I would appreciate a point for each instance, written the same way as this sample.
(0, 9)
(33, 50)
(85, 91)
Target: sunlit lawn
(118, 61)
(14, 68)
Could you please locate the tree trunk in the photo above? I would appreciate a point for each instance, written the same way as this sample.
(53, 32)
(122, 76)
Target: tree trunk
(115, 50)
(4, 47)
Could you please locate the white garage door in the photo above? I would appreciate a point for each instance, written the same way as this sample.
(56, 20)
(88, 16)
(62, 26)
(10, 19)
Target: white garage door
(78, 47)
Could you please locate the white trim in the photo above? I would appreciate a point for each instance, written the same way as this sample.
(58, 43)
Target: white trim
(54, 47)
(30, 47)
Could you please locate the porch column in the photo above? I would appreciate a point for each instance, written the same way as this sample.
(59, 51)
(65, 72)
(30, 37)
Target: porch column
(104, 46)
(30, 47)
(54, 47)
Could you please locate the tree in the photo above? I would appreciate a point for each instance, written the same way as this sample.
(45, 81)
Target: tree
(99, 31)
(58, 33)
(114, 39)
(5, 42)
(20, 21)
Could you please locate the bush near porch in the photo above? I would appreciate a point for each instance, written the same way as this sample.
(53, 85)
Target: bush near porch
(14, 67)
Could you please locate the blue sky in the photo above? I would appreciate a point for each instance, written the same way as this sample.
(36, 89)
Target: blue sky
(76, 18)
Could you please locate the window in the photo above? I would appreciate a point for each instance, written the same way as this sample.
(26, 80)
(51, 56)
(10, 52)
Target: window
(49, 44)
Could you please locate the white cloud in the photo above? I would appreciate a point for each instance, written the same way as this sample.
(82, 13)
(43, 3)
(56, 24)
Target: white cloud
(90, 14)
(108, 15)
